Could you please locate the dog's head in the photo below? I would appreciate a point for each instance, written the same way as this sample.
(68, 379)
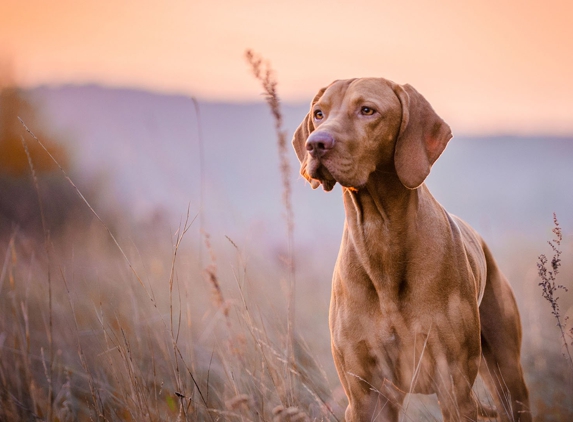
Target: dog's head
(358, 126)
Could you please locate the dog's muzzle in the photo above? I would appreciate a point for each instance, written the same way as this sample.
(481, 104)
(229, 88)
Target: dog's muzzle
(319, 143)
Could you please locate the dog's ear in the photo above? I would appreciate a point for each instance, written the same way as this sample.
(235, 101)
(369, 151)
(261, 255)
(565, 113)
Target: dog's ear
(422, 138)
(299, 141)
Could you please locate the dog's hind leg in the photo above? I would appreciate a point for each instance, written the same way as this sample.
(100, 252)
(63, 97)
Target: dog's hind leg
(501, 344)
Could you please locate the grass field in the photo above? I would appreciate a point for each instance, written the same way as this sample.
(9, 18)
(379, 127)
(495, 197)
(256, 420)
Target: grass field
(87, 334)
(114, 320)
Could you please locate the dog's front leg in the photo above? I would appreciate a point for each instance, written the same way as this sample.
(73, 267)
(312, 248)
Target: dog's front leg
(371, 396)
(454, 389)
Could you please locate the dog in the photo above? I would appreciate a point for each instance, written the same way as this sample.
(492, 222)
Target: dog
(418, 302)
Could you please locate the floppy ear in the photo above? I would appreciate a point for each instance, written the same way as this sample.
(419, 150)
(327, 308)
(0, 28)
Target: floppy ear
(299, 141)
(422, 138)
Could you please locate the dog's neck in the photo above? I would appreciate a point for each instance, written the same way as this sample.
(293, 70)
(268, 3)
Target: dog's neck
(383, 202)
(382, 219)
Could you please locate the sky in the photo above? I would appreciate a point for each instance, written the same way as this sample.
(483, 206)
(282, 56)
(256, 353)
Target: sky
(502, 66)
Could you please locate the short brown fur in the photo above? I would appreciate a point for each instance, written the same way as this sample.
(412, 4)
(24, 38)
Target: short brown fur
(417, 298)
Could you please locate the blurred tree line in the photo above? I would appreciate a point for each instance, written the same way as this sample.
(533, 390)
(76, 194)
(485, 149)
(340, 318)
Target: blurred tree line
(19, 199)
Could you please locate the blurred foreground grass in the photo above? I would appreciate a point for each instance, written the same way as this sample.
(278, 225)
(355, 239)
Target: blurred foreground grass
(84, 337)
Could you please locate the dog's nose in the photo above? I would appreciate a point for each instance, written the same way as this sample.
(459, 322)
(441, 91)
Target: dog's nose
(318, 143)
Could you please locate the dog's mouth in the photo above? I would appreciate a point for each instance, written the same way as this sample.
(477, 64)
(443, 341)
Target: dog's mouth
(317, 170)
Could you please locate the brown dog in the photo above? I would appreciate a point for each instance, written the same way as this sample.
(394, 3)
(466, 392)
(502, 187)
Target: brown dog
(417, 297)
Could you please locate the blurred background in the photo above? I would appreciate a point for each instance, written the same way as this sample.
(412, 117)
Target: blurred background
(153, 112)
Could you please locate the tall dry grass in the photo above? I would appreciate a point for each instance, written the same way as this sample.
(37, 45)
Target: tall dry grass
(123, 330)
(264, 73)
(550, 289)
(119, 353)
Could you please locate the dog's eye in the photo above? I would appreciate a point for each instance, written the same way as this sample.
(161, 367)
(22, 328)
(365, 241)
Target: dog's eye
(318, 114)
(367, 111)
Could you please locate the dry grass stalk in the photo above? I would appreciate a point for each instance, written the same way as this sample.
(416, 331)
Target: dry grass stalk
(97, 402)
(240, 401)
(262, 71)
(175, 336)
(550, 287)
(181, 232)
(289, 414)
(211, 273)
(46, 231)
(201, 175)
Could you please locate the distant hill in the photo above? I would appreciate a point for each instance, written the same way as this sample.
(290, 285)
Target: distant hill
(144, 146)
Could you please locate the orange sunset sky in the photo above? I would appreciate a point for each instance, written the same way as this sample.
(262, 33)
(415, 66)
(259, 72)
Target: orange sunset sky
(486, 66)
